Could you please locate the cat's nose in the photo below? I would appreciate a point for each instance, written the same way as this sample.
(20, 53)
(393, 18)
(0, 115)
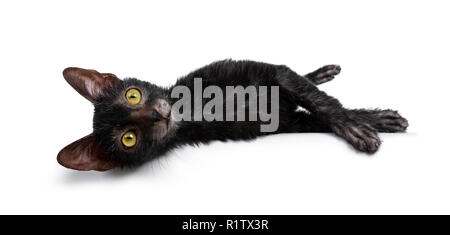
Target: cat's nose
(158, 110)
(155, 116)
(162, 108)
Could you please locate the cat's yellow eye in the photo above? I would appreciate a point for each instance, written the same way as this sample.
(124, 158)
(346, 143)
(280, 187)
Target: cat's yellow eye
(133, 96)
(129, 139)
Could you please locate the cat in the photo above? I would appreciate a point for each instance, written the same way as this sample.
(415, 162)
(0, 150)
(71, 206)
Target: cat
(134, 121)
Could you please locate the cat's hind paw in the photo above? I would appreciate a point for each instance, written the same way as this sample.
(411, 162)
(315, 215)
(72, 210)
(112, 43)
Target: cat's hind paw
(361, 136)
(324, 74)
(390, 121)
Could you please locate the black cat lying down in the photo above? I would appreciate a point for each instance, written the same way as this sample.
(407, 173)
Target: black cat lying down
(134, 121)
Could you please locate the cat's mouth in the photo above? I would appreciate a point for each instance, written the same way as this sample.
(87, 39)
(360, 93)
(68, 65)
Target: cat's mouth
(170, 122)
(157, 116)
(161, 128)
(167, 119)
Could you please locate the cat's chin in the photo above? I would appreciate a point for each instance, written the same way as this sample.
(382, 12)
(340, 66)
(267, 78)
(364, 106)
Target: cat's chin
(170, 122)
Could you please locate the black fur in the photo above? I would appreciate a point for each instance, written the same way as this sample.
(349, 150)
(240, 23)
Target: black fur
(326, 114)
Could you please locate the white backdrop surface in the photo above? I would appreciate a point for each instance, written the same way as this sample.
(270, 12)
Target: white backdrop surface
(394, 54)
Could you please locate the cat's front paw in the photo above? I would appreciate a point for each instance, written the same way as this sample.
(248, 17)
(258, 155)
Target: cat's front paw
(360, 135)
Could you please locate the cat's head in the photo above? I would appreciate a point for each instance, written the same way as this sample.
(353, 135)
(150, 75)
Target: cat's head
(131, 119)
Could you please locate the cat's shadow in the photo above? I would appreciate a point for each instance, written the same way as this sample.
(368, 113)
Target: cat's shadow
(91, 176)
(154, 168)
(149, 169)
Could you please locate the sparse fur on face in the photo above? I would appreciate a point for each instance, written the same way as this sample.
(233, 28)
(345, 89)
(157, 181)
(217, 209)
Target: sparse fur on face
(148, 123)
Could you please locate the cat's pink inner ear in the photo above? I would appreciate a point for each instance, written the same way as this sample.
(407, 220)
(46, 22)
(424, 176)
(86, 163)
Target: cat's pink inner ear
(85, 155)
(89, 83)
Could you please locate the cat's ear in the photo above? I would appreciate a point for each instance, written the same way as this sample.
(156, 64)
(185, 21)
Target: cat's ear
(90, 83)
(85, 155)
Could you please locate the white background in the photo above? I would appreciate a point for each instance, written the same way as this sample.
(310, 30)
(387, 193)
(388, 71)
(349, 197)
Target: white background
(394, 54)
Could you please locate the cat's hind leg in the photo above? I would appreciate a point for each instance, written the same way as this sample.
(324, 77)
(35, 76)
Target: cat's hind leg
(361, 135)
(329, 110)
(324, 74)
(302, 122)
